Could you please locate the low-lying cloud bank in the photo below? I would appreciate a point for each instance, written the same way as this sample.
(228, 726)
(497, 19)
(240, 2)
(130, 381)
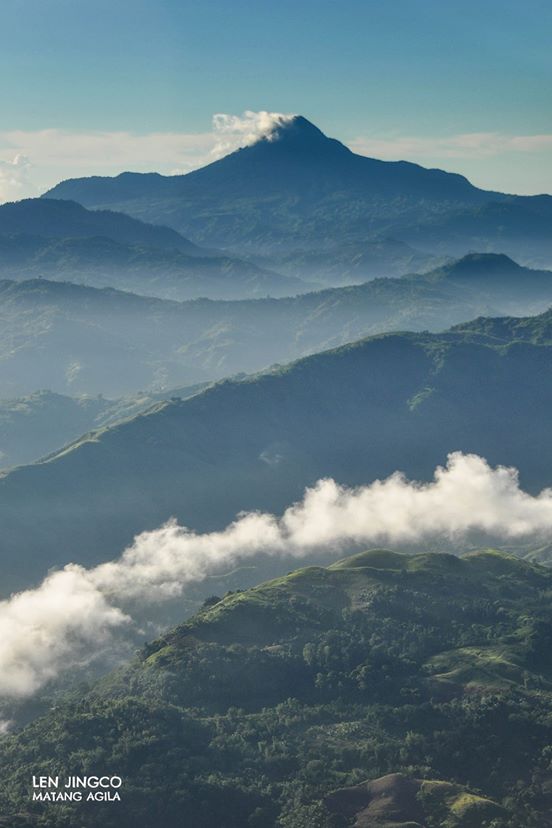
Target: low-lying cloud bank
(75, 612)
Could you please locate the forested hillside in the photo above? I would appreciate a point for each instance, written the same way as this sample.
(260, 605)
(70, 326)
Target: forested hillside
(399, 401)
(273, 706)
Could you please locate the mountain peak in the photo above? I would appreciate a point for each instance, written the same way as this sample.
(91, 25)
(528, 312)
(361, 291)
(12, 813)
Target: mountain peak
(294, 126)
(286, 160)
(477, 263)
(296, 133)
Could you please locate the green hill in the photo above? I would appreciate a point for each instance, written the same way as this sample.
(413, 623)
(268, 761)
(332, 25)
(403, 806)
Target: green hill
(357, 413)
(41, 423)
(317, 699)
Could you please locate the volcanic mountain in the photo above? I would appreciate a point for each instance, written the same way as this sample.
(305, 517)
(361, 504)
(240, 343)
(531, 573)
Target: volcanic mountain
(294, 158)
(296, 189)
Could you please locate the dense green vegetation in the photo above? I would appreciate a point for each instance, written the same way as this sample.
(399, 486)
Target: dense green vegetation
(272, 707)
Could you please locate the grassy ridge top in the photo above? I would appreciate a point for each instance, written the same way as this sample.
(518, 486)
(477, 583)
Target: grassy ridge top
(308, 598)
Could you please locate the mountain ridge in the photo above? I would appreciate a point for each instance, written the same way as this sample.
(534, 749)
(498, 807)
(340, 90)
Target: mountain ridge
(40, 424)
(66, 218)
(168, 273)
(356, 413)
(297, 136)
(367, 690)
(78, 339)
(298, 191)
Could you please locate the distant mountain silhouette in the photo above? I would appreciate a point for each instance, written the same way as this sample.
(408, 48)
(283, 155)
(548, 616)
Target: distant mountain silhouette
(67, 219)
(63, 240)
(296, 189)
(520, 226)
(485, 268)
(167, 272)
(76, 339)
(296, 158)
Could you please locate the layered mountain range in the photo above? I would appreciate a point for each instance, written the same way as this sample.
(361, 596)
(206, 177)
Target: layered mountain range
(46, 238)
(297, 190)
(293, 207)
(209, 345)
(75, 339)
(357, 413)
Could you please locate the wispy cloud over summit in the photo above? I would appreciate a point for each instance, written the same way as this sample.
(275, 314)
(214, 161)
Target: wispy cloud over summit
(243, 130)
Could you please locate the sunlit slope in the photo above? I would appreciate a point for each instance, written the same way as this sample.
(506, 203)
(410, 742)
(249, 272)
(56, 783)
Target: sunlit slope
(41, 423)
(356, 413)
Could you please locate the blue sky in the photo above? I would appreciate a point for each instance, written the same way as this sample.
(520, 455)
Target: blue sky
(462, 85)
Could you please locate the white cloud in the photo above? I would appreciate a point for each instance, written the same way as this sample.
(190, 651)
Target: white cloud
(235, 131)
(14, 179)
(461, 145)
(61, 623)
(72, 615)
(71, 153)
